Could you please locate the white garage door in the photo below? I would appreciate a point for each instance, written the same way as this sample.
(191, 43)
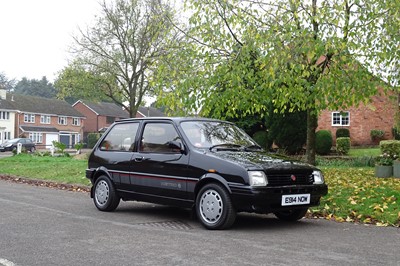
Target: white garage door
(49, 140)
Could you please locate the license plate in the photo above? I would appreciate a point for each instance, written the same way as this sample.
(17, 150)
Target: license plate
(295, 199)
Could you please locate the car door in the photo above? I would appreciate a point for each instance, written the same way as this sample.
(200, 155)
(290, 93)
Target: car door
(115, 153)
(28, 144)
(158, 169)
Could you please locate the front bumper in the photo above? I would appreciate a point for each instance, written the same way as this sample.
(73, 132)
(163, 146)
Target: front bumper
(3, 149)
(269, 199)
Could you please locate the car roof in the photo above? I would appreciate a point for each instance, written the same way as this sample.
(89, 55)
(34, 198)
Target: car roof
(174, 119)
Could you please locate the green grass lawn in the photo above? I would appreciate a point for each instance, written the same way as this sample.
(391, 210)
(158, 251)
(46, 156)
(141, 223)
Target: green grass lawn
(355, 194)
(363, 152)
(60, 169)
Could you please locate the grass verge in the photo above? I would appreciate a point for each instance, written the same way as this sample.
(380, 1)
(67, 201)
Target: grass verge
(356, 195)
(67, 170)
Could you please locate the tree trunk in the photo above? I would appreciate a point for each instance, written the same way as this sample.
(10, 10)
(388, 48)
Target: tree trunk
(132, 111)
(312, 123)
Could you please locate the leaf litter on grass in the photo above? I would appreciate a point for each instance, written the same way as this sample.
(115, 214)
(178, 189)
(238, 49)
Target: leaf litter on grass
(356, 195)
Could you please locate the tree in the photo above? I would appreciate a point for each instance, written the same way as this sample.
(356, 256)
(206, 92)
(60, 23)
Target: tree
(75, 83)
(118, 55)
(6, 83)
(34, 87)
(391, 37)
(313, 55)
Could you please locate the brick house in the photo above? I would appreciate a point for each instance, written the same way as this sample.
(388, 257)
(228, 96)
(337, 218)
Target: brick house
(379, 114)
(99, 116)
(43, 120)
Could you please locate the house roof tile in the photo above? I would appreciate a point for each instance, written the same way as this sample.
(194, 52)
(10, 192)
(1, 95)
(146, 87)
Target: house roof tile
(150, 112)
(38, 129)
(107, 109)
(39, 105)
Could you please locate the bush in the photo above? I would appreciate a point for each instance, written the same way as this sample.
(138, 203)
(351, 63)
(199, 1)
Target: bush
(60, 147)
(342, 133)
(377, 134)
(343, 145)
(261, 137)
(323, 139)
(92, 139)
(391, 147)
(288, 131)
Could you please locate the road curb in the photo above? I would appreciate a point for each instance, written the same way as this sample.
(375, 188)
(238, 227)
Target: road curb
(42, 183)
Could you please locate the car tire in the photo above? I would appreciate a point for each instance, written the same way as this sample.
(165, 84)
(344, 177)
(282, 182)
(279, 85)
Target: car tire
(32, 150)
(291, 215)
(214, 207)
(104, 195)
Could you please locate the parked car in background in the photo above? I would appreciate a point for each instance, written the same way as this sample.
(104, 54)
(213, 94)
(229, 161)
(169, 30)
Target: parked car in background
(206, 164)
(12, 144)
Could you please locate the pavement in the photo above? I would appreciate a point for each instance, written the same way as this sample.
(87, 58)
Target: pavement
(5, 154)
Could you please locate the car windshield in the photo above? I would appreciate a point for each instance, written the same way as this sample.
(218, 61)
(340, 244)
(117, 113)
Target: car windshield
(209, 134)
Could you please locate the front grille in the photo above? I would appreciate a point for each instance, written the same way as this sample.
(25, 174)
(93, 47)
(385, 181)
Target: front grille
(289, 179)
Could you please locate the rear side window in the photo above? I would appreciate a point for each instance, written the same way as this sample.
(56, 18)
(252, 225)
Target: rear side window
(120, 138)
(156, 137)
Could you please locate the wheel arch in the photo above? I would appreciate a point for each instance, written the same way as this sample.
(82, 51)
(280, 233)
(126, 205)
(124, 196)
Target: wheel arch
(96, 174)
(211, 178)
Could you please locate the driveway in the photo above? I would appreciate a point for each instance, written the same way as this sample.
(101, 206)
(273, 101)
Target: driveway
(45, 226)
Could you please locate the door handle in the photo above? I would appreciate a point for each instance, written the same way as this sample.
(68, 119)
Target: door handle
(138, 159)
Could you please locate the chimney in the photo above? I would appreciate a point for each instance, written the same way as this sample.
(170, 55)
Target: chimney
(3, 93)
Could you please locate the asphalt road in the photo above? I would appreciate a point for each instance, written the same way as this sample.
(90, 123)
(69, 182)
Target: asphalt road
(45, 226)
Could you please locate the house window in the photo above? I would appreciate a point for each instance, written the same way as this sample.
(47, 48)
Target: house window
(62, 120)
(29, 118)
(36, 137)
(76, 121)
(340, 118)
(44, 119)
(6, 136)
(4, 115)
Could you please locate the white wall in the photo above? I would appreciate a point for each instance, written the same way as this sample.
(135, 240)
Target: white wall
(7, 125)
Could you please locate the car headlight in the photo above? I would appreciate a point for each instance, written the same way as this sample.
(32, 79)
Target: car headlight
(8, 145)
(257, 178)
(318, 177)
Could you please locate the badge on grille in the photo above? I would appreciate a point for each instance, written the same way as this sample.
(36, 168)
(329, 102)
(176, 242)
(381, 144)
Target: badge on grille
(293, 177)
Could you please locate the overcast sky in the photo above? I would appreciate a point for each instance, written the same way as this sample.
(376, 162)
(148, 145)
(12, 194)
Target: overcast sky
(36, 34)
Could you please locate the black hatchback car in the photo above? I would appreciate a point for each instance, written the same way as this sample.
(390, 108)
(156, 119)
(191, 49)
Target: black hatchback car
(12, 144)
(210, 165)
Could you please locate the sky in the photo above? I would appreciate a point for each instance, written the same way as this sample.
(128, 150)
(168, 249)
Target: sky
(36, 34)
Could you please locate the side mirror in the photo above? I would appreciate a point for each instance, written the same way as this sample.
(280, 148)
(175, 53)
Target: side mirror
(176, 146)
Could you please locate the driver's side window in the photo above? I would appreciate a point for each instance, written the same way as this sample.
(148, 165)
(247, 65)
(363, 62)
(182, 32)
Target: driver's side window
(157, 136)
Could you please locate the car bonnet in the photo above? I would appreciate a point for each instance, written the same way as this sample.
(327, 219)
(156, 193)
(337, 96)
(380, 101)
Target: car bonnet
(269, 162)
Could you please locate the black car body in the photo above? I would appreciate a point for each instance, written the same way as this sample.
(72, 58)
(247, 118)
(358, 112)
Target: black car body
(207, 164)
(12, 144)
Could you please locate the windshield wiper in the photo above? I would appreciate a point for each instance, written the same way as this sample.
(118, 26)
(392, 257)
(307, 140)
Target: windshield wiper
(254, 146)
(228, 145)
